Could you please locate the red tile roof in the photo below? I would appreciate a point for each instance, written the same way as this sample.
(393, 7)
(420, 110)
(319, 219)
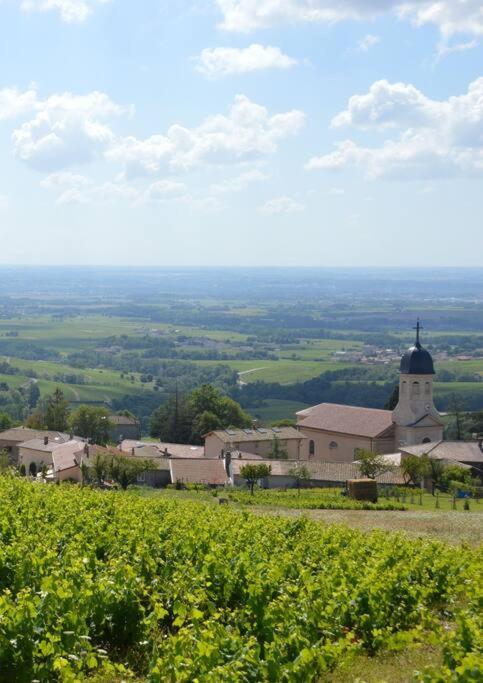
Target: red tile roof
(331, 417)
(200, 471)
(336, 472)
(158, 449)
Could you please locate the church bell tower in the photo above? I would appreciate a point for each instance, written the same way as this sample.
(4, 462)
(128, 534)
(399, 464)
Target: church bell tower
(415, 416)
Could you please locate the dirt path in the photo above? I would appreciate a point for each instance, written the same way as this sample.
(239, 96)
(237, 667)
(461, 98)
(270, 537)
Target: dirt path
(451, 527)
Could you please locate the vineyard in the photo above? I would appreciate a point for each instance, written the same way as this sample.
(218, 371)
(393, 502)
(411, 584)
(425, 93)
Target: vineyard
(309, 499)
(107, 586)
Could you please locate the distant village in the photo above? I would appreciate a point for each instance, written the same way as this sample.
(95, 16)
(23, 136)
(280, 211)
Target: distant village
(327, 440)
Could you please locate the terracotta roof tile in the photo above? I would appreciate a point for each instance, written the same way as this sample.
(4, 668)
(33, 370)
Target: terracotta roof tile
(260, 434)
(149, 449)
(457, 451)
(200, 471)
(331, 417)
(337, 472)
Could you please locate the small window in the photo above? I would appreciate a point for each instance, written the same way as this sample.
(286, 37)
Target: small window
(403, 387)
(427, 388)
(311, 447)
(415, 388)
(333, 445)
(426, 440)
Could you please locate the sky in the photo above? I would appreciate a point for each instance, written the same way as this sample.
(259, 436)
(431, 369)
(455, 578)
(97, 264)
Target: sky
(241, 132)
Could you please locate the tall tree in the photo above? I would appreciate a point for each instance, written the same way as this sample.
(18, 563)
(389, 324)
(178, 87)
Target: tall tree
(456, 407)
(393, 399)
(57, 411)
(253, 473)
(33, 394)
(188, 419)
(301, 473)
(371, 465)
(277, 451)
(5, 421)
(91, 422)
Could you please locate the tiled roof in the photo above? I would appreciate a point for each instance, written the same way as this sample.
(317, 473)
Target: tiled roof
(331, 417)
(51, 445)
(456, 451)
(20, 434)
(67, 456)
(147, 449)
(200, 471)
(260, 434)
(336, 472)
(123, 420)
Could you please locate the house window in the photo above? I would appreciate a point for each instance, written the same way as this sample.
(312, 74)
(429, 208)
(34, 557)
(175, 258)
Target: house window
(426, 440)
(415, 388)
(427, 388)
(311, 448)
(403, 387)
(333, 445)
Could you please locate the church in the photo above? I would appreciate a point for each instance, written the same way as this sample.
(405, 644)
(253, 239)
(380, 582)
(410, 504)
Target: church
(335, 432)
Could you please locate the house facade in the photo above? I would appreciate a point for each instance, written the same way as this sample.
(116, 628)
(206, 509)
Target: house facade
(124, 427)
(261, 442)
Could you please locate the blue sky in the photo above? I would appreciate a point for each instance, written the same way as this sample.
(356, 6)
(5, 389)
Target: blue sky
(241, 132)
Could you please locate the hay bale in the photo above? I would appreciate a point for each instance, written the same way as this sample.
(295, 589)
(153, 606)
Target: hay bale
(363, 489)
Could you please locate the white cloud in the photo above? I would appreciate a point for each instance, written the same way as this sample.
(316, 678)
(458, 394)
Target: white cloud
(77, 189)
(450, 16)
(225, 61)
(336, 191)
(280, 205)
(14, 103)
(63, 178)
(165, 189)
(433, 138)
(368, 41)
(247, 133)
(71, 11)
(66, 129)
(444, 48)
(240, 182)
(4, 202)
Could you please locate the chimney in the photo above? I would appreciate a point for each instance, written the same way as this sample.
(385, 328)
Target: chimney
(46, 440)
(71, 436)
(480, 443)
(166, 454)
(133, 451)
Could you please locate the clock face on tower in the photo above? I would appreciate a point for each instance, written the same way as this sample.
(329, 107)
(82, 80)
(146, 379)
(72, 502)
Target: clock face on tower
(428, 407)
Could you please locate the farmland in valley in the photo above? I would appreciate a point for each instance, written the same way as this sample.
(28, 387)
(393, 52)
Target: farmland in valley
(129, 339)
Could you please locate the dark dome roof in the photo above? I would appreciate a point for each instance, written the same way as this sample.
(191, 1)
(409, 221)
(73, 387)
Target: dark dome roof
(417, 361)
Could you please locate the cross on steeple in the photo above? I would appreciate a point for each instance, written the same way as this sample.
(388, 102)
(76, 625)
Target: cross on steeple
(418, 328)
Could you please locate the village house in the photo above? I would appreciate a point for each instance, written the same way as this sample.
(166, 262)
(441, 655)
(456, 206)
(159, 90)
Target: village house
(11, 438)
(466, 453)
(39, 453)
(260, 441)
(336, 432)
(124, 427)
